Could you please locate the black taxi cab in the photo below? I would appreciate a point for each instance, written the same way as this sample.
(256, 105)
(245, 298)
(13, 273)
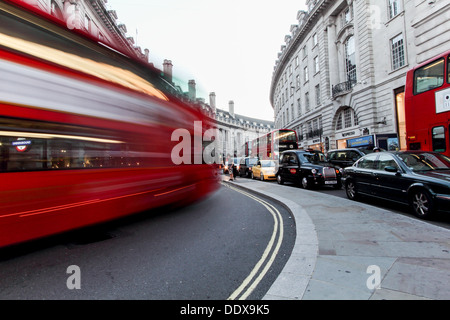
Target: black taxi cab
(307, 169)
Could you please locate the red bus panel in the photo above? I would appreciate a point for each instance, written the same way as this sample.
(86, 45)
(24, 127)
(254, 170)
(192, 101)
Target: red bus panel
(427, 106)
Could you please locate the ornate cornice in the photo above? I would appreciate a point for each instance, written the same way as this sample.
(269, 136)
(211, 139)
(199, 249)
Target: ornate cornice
(309, 22)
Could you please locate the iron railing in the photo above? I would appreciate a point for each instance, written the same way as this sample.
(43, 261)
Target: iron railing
(343, 87)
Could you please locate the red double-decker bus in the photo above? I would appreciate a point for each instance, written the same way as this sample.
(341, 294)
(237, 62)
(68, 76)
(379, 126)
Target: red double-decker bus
(427, 105)
(85, 131)
(270, 145)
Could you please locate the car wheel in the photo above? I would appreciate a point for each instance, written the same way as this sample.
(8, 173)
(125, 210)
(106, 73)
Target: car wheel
(261, 176)
(280, 180)
(422, 203)
(305, 183)
(350, 190)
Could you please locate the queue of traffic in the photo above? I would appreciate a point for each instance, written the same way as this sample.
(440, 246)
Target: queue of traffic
(420, 179)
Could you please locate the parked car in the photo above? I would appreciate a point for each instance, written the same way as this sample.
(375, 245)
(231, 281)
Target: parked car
(264, 170)
(306, 169)
(418, 178)
(346, 157)
(245, 168)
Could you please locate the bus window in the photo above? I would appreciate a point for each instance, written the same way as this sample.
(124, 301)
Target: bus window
(448, 69)
(429, 77)
(438, 138)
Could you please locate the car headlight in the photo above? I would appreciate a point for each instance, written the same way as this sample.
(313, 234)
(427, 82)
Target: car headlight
(314, 171)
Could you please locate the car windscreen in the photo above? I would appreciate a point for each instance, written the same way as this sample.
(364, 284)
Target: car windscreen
(267, 164)
(252, 161)
(314, 157)
(425, 161)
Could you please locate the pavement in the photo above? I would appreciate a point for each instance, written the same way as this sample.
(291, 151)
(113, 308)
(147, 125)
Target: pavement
(348, 250)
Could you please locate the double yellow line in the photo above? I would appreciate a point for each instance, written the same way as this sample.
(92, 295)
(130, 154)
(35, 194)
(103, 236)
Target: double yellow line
(269, 254)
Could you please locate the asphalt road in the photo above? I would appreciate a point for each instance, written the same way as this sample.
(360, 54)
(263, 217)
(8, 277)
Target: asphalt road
(205, 251)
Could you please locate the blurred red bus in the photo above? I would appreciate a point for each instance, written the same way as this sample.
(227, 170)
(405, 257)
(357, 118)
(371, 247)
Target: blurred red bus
(270, 145)
(427, 105)
(85, 132)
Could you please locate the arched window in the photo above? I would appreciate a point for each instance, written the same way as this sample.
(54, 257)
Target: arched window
(346, 119)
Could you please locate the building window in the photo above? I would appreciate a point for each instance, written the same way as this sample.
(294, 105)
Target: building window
(346, 16)
(348, 118)
(307, 101)
(310, 130)
(318, 102)
(315, 128)
(398, 52)
(316, 64)
(299, 107)
(297, 81)
(296, 61)
(339, 122)
(350, 59)
(305, 52)
(394, 8)
(305, 75)
(314, 39)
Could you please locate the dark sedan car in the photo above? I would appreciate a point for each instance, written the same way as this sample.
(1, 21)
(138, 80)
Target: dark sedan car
(245, 168)
(346, 157)
(306, 169)
(418, 178)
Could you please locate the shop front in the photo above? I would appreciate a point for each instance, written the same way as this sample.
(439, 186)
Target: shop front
(386, 141)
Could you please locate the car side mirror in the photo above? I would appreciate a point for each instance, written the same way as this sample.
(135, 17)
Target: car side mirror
(390, 169)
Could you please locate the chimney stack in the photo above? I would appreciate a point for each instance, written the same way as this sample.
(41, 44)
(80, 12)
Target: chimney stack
(212, 101)
(192, 93)
(167, 69)
(231, 107)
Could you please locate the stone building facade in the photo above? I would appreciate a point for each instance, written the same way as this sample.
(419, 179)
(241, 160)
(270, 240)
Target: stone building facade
(339, 78)
(233, 129)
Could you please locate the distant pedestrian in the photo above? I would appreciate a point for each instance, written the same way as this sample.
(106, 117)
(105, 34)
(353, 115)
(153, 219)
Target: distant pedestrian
(235, 171)
(231, 171)
(376, 149)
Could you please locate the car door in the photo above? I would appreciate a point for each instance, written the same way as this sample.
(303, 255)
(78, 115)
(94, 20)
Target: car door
(285, 164)
(389, 184)
(363, 174)
(257, 170)
(292, 167)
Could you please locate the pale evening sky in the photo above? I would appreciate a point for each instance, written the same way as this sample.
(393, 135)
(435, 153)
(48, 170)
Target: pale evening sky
(227, 47)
